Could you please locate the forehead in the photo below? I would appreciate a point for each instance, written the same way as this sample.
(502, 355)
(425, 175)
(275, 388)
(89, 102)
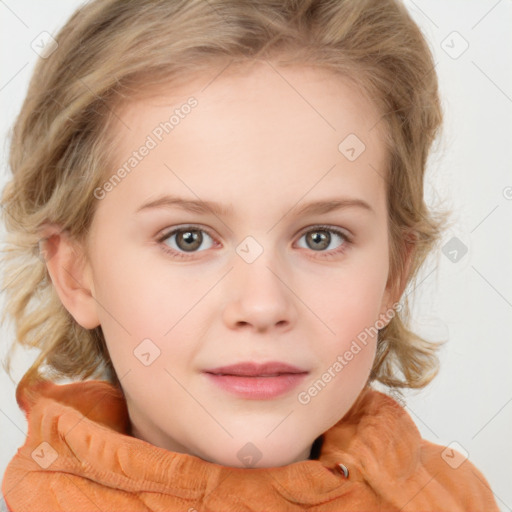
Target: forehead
(331, 101)
(284, 127)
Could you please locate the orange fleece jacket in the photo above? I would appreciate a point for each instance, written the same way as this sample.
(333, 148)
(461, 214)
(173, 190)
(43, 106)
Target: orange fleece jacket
(78, 456)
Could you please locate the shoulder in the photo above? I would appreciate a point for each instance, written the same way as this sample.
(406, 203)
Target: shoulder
(451, 468)
(436, 477)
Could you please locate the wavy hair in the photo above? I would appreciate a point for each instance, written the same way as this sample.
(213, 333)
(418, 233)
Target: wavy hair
(110, 51)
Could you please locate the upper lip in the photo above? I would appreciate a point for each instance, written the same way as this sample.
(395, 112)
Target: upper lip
(253, 369)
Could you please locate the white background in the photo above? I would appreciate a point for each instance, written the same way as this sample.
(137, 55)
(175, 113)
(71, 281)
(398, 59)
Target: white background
(468, 301)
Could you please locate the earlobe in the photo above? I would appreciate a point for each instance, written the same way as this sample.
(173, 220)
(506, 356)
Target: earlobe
(70, 275)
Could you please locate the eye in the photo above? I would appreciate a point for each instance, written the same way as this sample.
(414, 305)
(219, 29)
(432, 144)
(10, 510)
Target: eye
(321, 237)
(185, 240)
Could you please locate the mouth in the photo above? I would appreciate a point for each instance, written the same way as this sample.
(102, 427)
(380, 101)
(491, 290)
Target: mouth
(257, 382)
(254, 376)
(253, 369)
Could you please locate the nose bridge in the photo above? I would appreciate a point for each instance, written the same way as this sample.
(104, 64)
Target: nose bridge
(268, 252)
(259, 295)
(257, 266)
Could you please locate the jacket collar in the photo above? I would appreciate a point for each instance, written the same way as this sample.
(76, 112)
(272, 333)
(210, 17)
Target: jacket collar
(86, 426)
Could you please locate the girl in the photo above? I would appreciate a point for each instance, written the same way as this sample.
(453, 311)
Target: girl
(286, 144)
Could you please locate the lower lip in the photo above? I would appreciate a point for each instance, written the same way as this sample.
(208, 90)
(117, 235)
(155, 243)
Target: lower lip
(258, 388)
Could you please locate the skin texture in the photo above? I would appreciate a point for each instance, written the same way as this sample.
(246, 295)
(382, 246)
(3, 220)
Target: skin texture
(263, 142)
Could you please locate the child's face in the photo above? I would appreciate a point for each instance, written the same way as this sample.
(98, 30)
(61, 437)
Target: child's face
(262, 145)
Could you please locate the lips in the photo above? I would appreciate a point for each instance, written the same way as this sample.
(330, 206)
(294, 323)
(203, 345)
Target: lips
(253, 369)
(252, 381)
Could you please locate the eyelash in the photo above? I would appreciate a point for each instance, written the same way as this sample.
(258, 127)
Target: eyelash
(347, 241)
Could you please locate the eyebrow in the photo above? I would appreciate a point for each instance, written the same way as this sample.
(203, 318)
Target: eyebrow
(202, 206)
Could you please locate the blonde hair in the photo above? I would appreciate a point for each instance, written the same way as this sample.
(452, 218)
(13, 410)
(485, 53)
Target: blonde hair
(112, 50)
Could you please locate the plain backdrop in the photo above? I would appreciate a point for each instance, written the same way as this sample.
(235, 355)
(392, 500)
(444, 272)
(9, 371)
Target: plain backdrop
(468, 299)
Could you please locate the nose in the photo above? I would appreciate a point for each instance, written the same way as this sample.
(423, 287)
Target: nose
(260, 296)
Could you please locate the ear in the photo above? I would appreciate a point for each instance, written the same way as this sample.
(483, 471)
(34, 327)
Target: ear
(70, 274)
(396, 287)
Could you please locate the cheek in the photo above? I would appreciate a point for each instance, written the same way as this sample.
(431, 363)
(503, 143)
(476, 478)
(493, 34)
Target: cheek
(348, 351)
(352, 298)
(129, 285)
(138, 300)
